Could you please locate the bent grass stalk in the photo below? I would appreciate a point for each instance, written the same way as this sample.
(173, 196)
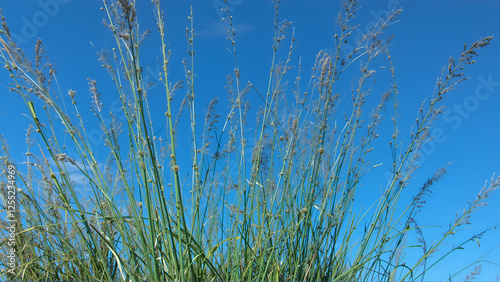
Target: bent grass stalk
(286, 213)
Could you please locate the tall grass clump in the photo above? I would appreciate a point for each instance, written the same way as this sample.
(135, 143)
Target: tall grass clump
(288, 210)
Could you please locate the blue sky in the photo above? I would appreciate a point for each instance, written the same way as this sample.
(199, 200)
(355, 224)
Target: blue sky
(427, 34)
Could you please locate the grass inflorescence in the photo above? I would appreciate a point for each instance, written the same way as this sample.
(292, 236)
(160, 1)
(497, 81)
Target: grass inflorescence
(287, 212)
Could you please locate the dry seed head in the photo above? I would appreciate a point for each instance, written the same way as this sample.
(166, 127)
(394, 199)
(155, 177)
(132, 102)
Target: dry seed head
(175, 168)
(72, 93)
(321, 151)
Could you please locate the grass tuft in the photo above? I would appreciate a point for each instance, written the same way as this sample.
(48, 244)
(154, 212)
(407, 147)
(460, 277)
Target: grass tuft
(269, 200)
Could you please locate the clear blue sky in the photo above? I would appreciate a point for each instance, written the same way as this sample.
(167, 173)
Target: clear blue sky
(427, 34)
